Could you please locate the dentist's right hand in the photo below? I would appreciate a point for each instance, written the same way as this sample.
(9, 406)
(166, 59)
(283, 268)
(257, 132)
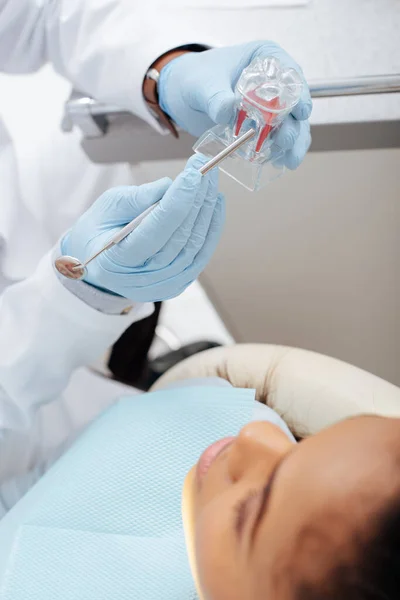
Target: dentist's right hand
(168, 250)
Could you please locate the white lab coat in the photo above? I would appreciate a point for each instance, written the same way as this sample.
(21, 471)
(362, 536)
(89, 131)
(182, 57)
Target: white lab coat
(103, 47)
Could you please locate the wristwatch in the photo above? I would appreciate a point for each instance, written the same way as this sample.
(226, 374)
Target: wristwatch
(150, 84)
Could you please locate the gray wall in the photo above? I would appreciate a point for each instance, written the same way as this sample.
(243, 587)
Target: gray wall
(314, 260)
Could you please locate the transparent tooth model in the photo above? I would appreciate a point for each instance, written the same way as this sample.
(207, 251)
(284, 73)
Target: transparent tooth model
(265, 93)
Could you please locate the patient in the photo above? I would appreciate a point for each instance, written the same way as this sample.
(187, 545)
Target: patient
(264, 518)
(315, 521)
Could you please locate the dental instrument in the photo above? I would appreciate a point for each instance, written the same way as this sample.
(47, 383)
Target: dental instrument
(73, 268)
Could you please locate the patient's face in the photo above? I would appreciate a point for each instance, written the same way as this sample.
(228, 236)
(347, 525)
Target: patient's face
(270, 513)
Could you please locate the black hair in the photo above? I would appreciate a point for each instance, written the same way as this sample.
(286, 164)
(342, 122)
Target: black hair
(375, 572)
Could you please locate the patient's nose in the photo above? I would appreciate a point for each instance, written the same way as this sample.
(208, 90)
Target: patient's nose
(258, 447)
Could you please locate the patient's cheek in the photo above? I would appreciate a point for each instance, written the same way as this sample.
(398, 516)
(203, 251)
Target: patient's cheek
(217, 569)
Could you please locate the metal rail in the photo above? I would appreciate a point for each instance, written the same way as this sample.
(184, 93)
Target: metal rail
(93, 117)
(358, 86)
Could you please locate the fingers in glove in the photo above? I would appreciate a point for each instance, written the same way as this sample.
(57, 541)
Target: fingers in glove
(287, 135)
(303, 109)
(174, 284)
(216, 99)
(295, 156)
(119, 205)
(193, 227)
(213, 237)
(198, 235)
(158, 227)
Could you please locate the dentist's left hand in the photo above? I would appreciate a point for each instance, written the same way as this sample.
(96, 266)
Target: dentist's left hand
(197, 91)
(168, 250)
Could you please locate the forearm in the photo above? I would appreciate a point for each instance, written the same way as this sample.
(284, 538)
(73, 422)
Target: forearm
(47, 333)
(104, 47)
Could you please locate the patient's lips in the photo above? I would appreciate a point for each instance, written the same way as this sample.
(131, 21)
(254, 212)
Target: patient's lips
(209, 455)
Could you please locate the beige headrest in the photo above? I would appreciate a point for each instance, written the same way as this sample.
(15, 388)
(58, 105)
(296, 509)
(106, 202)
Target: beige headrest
(310, 391)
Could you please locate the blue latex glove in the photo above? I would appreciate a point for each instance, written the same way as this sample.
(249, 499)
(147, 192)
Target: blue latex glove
(168, 250)
(197, 91)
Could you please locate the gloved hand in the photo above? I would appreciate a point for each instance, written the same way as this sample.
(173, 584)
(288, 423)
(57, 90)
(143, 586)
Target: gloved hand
(197, 91)
(168, 250)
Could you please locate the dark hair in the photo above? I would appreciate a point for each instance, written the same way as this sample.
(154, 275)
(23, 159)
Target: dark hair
(375, 574)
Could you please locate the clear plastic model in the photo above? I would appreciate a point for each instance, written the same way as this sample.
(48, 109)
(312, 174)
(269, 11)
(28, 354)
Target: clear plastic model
(265, 93)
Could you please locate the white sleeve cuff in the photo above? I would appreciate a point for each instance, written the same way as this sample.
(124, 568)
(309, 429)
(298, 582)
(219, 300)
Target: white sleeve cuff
(74, 309)
(110, 304)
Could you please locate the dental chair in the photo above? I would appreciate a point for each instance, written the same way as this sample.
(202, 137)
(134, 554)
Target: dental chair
(308, 390)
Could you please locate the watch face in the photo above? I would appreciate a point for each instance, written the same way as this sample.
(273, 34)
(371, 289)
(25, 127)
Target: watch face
(153, 74)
